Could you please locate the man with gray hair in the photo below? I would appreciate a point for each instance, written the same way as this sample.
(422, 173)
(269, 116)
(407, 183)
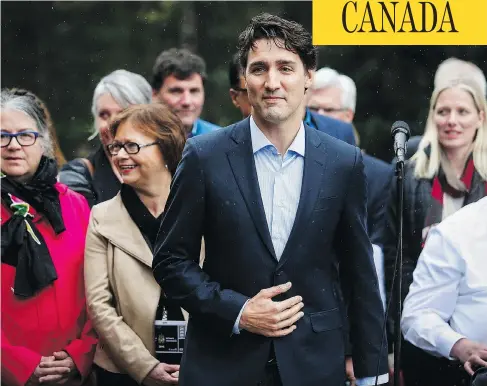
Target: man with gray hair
(95, 177)
(333, 94)
(453, 68)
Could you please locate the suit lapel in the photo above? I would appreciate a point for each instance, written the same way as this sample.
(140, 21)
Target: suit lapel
(241, 159)
(313, 171)
(118, 225)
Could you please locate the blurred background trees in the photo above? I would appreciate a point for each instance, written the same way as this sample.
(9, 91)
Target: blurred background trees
(60, 50)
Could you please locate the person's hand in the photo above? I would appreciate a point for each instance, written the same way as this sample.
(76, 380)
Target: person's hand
(470, 353)
(55, 370)
(162, 374)
(53, 373)
(264, 316)
(349, 371)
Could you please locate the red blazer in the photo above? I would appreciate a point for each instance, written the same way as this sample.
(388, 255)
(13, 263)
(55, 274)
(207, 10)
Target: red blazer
(55, 319)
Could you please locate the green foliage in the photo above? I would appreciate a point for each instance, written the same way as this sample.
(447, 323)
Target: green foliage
(60, 50)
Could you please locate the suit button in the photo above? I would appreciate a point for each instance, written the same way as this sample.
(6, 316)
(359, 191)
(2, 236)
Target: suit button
(278, 273)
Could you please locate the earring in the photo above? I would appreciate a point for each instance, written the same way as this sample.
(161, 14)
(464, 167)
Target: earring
(165, 166)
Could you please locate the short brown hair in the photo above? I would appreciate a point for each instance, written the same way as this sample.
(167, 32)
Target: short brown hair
(156, 120)
(284, 33)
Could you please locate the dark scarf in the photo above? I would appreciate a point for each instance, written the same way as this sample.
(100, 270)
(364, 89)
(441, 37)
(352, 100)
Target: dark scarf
(470, 186)
(142, 217)
(22, 244)
(149, 227)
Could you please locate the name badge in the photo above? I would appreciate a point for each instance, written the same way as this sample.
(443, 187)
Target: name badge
(170, 336)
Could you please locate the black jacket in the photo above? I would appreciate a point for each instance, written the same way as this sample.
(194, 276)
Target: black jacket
(215, 194)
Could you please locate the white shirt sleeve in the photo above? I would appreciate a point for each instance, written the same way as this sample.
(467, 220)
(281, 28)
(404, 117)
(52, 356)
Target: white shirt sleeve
(379, 267)
(236, 329)
(432, 297)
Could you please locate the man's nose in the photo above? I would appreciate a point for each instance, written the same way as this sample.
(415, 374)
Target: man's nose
(273, 81)
(186, 98)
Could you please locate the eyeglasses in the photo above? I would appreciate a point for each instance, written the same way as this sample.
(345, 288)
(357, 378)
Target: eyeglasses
(326, 110)
(129, 147)
(24, 138)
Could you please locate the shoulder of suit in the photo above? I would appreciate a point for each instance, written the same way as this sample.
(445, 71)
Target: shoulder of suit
(332, 143)
(340, 125)
(377, 163)
(206, 143)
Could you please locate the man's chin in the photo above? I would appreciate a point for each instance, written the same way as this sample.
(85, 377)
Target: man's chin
(274, 117)
(188, 122)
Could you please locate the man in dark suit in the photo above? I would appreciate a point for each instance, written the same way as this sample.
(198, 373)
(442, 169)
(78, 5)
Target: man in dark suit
(280, 205)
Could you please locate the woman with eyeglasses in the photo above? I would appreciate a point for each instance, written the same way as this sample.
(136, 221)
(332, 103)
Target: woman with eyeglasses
(124, 300)
(46, 334)
(95, 177)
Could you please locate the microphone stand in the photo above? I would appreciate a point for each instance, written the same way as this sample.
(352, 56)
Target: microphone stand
(398, 272)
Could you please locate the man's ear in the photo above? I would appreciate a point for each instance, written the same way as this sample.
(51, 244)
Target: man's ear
(349, 115)
(309, 74)
(233, 96)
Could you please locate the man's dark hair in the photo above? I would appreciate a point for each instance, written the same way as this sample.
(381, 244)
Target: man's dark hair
(179, 62)
(234, 72)
(286, 34)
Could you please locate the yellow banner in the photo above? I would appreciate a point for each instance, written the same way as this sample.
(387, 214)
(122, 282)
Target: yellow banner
(400, 22)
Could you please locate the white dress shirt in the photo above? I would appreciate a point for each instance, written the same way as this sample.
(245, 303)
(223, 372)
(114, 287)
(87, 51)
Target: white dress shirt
(448, 298)
(280, 178)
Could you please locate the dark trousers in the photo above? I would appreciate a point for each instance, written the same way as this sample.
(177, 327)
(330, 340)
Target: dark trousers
(271, 376)
(422, 369)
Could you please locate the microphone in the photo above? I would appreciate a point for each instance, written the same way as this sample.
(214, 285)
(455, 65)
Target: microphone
(400, 132)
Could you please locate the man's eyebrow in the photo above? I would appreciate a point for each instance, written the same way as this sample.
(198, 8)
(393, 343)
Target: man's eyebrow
(285, 62)
(257, 63)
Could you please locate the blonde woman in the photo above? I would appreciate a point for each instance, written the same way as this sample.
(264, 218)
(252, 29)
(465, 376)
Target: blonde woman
(448, 171)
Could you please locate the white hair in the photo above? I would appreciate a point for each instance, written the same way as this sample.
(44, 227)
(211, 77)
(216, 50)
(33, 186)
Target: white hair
(428, 166)
(28, 104)
(327, 77)
(454, 68)
(127, 88)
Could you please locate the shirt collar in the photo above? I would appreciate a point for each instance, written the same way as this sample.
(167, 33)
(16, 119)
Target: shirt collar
(259, 140)
(308, 119)
(194, 131)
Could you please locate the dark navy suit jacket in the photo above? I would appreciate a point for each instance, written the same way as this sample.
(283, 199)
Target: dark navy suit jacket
(215, 194)
(378, 172)
(379, 177)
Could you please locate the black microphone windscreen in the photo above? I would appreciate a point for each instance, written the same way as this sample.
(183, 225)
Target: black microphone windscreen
(400, 126)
